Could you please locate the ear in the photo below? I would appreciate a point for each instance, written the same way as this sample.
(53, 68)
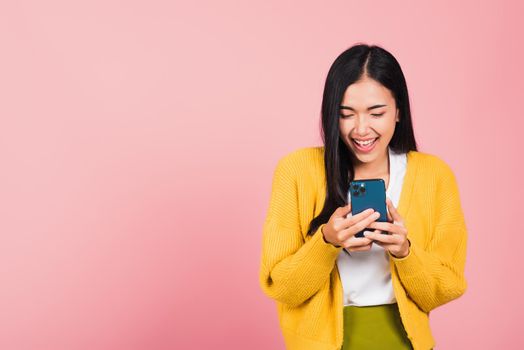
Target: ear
(397, 119)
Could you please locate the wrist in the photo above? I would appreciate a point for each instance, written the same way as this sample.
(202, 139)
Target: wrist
(324, 236)
(403, 255)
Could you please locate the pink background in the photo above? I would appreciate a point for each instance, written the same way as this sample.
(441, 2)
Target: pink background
(138, 142)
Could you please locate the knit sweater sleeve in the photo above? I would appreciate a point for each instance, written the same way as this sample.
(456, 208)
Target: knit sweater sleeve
(434, 275)
(292, 268)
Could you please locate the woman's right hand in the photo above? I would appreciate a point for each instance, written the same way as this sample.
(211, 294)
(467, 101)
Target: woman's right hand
(340, 230)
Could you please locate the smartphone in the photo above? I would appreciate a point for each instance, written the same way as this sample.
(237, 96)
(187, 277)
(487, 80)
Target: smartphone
(365, 194)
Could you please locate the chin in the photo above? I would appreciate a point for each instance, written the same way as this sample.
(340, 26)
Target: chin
(365, 158)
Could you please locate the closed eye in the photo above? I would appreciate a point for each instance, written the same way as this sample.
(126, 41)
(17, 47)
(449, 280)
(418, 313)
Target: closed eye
(351, 115)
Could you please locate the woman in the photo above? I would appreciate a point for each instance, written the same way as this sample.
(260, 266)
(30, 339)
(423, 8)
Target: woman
(335, 290)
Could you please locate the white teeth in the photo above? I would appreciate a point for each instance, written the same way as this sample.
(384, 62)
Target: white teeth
(365, 143)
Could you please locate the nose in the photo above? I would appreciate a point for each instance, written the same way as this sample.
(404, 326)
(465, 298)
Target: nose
(361, 125)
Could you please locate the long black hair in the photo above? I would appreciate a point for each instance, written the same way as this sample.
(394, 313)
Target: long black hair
(350, 66)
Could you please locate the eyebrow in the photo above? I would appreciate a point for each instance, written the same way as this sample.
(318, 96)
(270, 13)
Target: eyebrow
(369, 108)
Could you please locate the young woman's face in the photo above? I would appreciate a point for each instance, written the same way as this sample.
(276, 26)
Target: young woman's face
(368, 115)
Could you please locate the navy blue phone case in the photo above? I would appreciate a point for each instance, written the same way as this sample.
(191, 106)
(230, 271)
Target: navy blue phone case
(365, 194)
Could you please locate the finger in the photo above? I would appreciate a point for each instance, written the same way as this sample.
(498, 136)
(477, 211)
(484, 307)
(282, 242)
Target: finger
(361, 248)
(359, 216)
(356, 242)
(394, 213)
(386, 246)
(391, 248)
(342, 211)
(353, 219)
(358, 226)
(390, 218)
(380, 237)
(350, 220)
(343, 221)
(389, 227)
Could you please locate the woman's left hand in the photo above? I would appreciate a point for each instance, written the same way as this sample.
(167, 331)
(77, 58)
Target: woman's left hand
(396, 242)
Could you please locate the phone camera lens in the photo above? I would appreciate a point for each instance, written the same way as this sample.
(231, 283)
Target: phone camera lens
(362, 189)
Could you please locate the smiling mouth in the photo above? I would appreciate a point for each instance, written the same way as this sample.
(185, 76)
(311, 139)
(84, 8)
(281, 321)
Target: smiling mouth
(364, 145)
(365, 142)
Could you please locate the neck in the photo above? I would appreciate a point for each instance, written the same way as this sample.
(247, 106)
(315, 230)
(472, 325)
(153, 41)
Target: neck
(376, 169)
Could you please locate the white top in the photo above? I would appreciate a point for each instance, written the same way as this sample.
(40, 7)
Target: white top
(366, 275)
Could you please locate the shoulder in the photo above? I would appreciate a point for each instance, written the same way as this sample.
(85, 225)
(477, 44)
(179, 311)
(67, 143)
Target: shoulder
(430, 165)
(301, 159)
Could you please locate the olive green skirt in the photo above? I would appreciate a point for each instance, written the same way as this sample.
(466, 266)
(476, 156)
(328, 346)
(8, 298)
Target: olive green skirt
(374, 327)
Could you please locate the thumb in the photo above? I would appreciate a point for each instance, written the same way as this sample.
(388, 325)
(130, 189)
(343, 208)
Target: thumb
(345, 210)
(394, 213)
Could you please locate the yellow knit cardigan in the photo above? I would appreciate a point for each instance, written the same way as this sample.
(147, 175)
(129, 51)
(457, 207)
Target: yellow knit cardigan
(300, 273)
